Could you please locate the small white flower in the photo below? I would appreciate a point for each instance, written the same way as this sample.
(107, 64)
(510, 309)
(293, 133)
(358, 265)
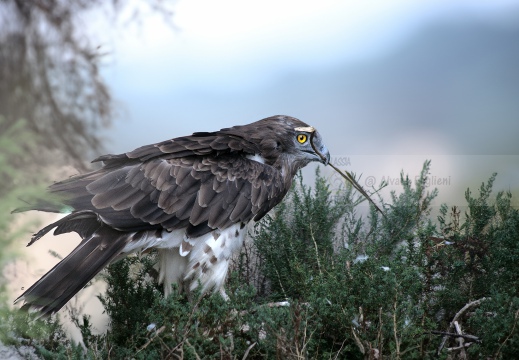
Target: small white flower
(407, 321)
(360, 259)
(151, 326)
(355, 322)
(385, 268)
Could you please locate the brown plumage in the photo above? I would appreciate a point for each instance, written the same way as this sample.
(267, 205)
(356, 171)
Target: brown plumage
(189, 197)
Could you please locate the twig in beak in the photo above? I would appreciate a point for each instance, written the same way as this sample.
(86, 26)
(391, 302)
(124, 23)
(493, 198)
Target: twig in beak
(346, 175)
(357, 187)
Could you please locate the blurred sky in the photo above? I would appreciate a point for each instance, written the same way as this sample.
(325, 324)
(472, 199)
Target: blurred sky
(387, 83)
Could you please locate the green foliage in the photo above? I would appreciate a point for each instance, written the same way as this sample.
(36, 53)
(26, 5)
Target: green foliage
(298, 240)
(22, 329)
(145, 325)
(17, 180)
(335, 284)
(14, 182)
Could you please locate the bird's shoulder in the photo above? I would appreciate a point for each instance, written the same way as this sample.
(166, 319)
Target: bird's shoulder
(204, 144)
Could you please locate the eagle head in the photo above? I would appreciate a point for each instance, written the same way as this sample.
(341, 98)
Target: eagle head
(284, 141)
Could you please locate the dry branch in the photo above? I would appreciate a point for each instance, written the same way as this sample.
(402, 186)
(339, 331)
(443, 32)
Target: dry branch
(455, 319)
(455, 335)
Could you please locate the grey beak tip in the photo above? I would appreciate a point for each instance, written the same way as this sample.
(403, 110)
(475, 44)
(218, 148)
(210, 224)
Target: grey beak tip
(325, 158)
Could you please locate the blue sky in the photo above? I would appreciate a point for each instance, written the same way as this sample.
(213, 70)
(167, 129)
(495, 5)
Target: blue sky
(228, 48)
(345, 67)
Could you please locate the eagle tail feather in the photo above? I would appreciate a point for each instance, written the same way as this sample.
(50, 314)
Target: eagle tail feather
(39, 204)
(82, 222)
(100, 246)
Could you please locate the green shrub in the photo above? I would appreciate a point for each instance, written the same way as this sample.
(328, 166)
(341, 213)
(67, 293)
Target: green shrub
(322, 281)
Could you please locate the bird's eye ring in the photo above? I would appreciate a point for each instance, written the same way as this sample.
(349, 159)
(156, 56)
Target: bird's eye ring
(301, 138)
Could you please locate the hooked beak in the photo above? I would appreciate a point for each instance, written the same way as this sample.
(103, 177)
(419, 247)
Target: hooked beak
(320, 150)
(324, 154)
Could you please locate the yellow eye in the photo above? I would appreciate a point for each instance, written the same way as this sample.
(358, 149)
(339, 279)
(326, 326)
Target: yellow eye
(302, 138)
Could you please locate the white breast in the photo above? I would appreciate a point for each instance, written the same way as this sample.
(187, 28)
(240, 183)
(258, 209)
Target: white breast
(210, 256)
(190, 261)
